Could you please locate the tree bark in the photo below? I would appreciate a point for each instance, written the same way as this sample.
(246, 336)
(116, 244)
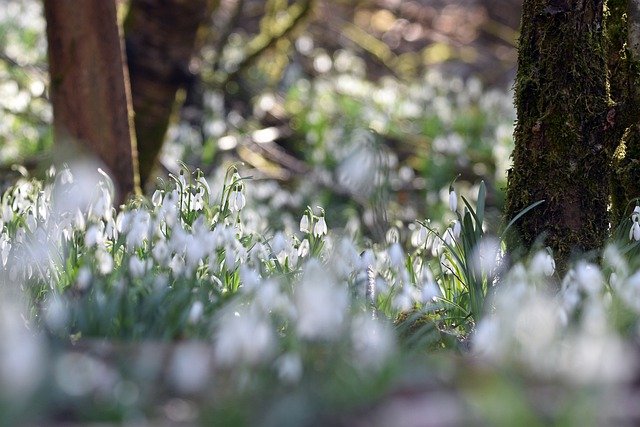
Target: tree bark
(623, 36)
(161, 39)
(89, 85)
(560, 153)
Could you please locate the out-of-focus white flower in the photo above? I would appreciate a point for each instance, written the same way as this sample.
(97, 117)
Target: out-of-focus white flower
(195, 312)
(403, 300)
(104, 261)
(160, 251)
(320, 227)
(453, 200)
(83, 279)
(320, 303)
(373, 341)
(304, 224)
(485, 255)
(589, 278)
(243, 337)
(190, 367)
(137, 266)
(396, 255)
(94, 236)
(289, 367)
(543, 263)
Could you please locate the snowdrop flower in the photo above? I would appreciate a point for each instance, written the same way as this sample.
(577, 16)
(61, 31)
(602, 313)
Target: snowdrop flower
(456, 228)
(320, 227)
(243, 337)
(289, 367)
(304, 224)
(403, 300)
(419, 237)
(589, 277)
(156, 198)
(396, 256)
(137, 266)
(160, 251)
(105, 261)
(453, 200)
(177, 265)
(5, 249)
(634, 232)
(635, 216)
(543, 264)
(93, 236)
(83, 279)
(373, 341)
(237, 201)
(195, 312)
(303, 249)
(321, 304)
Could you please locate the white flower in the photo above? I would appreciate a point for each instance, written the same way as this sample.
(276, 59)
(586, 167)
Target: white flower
(453, 200)
(543, 263)
(321, 304)
(634, 233)
(304, 224)
(160, 251)
(635, 216)
(419, 237)
(83, 279)
(243, 337)
(373, 341)
(105, 261)
(320, 227)
(237, 201)
(289, 367)
(303, 249)
(396, 255)
(156, 199)
(457, 228)
(137, 266)
(93, 236)
(195, 313)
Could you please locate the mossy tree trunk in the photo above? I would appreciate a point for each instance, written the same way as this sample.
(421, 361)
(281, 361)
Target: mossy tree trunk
(161, 40)
(623, 36)
(563, 109)
(89, 85)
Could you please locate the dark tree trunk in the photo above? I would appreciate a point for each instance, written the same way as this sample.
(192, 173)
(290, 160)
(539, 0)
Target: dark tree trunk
(562, 105)
(161, 39)
(89, 84)
(623, 36)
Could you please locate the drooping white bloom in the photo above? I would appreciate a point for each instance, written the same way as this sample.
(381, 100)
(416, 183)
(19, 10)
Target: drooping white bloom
(137, 266)
(634, 232)
(156, 198)
(104, 261)
(195, 312)
(321, 304)
(243, 337)
(303, 249)
(320, 227)
(83, 279)
(453, 200)
(237, 201)
(289, 367)
(456, 228)
(373, 341)
(396, 255)
(419, 236)
(543, 264)
(304, 224)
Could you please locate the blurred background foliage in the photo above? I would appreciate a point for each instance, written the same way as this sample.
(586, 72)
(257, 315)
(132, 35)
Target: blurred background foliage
(303, 92)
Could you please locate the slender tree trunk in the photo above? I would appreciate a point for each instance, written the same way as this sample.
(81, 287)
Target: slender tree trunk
(89, 84)
(161, 39)
(562, 103)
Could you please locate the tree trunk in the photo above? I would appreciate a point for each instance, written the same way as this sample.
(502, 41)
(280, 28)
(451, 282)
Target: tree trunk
(560, 153)
(623, 35)
(89, 84)
(161, 39)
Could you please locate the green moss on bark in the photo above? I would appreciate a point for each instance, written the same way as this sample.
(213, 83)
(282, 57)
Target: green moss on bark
(560, 155)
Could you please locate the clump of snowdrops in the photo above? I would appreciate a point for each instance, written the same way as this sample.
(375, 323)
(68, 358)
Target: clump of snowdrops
(190, 267)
